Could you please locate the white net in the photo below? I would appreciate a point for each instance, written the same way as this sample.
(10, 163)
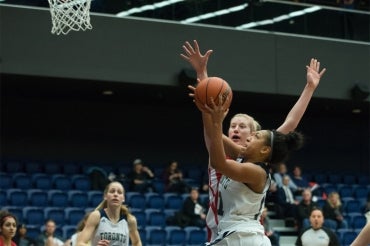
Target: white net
(67, 15)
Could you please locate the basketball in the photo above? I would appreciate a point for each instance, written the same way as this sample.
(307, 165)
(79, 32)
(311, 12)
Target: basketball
(212, 87)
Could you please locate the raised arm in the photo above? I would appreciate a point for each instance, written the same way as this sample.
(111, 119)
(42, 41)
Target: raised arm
(197, 60)
(296, 113)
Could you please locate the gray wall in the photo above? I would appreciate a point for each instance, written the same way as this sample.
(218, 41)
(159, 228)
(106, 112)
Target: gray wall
(147, 51)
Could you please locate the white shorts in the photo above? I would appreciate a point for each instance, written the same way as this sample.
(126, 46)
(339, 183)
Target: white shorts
(241, 239)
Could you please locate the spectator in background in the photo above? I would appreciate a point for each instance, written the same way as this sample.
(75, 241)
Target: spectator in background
(317, 234)
(333, 212)
(141, 177)
(269, 231)
(285, 199)
(48, 237)
(297, 178)
(8, 228)
(194, 210)
(304, 208)
(173, 179)
(21, 238)
(280, 173)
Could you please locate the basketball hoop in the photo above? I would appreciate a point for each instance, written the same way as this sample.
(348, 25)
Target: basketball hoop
(67, 15)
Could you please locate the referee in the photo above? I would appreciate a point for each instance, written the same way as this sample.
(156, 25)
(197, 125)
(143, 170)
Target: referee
(316, 234)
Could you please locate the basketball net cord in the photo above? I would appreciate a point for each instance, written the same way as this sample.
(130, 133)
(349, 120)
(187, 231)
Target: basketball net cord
(67, 15)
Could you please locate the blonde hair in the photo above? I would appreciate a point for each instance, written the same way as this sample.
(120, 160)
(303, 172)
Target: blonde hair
(253, 125)
(338, 204)
(103, 204)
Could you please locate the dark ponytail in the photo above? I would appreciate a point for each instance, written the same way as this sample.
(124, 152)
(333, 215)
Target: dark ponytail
(284, 144)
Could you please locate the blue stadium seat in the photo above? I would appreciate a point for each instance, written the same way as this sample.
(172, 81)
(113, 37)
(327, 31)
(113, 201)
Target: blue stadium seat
(363, 179)
(320, 178)
(6, 181)
(156, 236)
(196, 236)
(349, 179)
(352, 206)
(22, 181)
(56, 214)
(195, 174)
(34, 215)
(38, 198)
(358, 221)
(33, 167)
(329, 188)
(345, 191)
(159, 186)
(41, 181)
(143, 236)
(155, 217)
(174, 201)
(95, 197)
(129, 194)
(348, 237)
(53, 168)
(334, 178)
(58, 198)
(61, 182)
(81, 182)
(360, 192)
(71, 168)
(17, 197)
(14, 167)
(33, 231)
(68, 231)
(137, 201)
(175, 235)
(78, 198)
(204, 199)
(16, 210)
(140, 218)
(155, 201)
(340, 232)
(3, 198)
(74, 215)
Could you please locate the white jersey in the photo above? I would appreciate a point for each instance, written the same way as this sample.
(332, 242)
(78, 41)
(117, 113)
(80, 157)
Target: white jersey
(212, 218)
(116, 233)
(240, 210)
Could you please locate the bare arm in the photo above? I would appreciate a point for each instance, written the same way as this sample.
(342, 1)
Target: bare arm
(363, 238)
(296, 113)
(86, 234)
(134, 233)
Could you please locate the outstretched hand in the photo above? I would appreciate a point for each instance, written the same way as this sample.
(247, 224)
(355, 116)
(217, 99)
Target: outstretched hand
(197, 60)
(313, 73)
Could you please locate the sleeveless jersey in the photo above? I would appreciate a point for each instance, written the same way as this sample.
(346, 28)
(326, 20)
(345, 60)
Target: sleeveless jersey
(117, 234)
(212, 217)
(240, 207)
